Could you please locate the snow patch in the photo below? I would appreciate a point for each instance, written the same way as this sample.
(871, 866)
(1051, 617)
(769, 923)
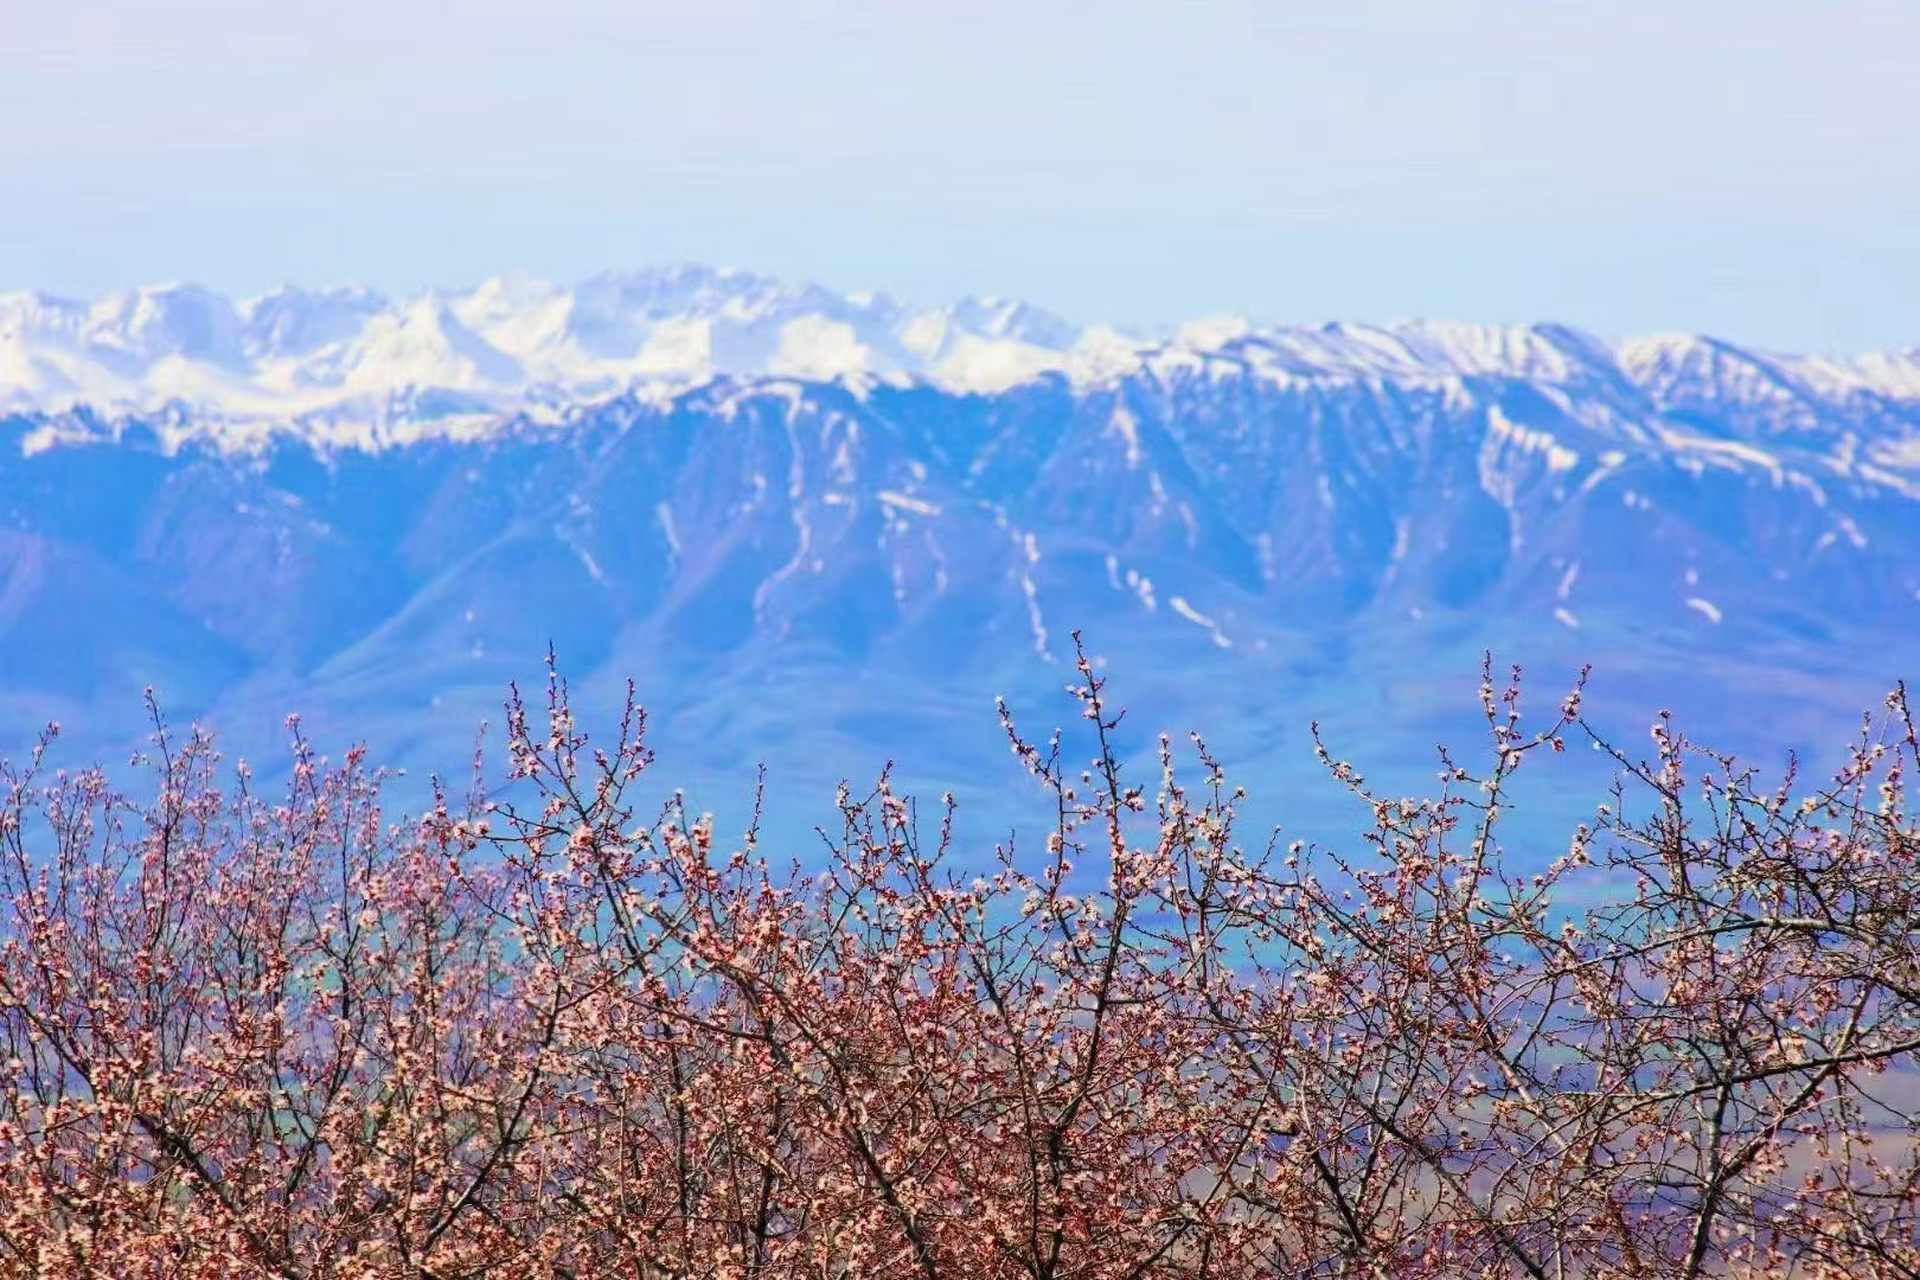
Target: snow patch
(1567, 580)
(1035, 622)
(818, 348)
(1142, 587)
(1530, 440)
(1123, 424)
(1180, 606)
(1210, 333)
(677, 346)
(904, 502)
(986, 366)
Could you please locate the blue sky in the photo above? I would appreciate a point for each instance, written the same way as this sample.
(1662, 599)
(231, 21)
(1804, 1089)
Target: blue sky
(1745, 168)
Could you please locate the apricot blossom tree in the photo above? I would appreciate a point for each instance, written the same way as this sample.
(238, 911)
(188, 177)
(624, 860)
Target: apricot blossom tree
(545, 1030)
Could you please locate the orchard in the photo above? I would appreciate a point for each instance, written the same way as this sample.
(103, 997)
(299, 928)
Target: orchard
(556, 1028)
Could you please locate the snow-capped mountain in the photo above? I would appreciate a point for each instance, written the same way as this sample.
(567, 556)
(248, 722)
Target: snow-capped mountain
(514, 342)
(823, 531)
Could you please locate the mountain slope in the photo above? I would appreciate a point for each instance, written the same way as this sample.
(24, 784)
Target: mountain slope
(1254, 528)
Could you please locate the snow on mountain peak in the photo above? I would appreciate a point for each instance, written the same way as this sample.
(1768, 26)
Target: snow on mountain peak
(349, 354)
(292, 322)
(144, 326)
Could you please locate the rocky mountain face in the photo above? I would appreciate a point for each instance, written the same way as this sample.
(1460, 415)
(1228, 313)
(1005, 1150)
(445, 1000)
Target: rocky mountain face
(825, 563)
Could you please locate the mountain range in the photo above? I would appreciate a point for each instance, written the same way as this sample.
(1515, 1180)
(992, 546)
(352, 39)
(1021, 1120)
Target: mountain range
(823, 530)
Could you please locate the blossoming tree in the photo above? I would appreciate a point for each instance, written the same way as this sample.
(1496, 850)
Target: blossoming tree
(544, 1031)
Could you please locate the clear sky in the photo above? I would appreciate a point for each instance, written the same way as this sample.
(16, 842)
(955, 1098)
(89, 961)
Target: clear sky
(1742, 167)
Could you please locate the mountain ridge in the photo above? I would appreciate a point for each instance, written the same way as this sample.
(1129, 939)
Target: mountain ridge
(516, 343)
(824, 571)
